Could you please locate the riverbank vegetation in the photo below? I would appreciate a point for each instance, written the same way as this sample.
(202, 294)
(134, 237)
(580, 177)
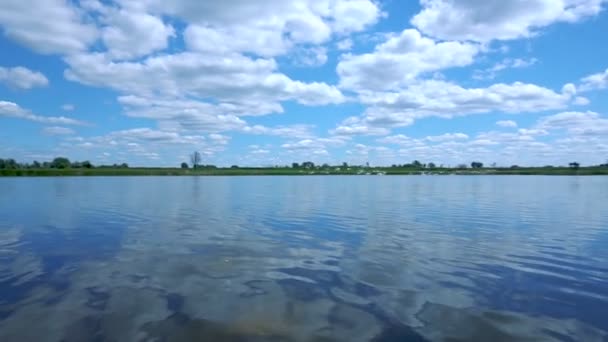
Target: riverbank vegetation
(63, 167)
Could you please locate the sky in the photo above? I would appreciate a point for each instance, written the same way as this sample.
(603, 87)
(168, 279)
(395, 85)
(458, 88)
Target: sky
(273, 82)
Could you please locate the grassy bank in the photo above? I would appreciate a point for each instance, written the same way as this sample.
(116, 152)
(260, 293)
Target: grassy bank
(297, 172)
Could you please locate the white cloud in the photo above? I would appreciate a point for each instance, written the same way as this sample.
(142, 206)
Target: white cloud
(447, 137)
(507, 63)
(576, 123)
(532, 132)
(12, 110)
(315, 56)
(361, 126)
(238, 86)
(22, 78)
(130, 34)
(293, 131)
(149, 144)
(260, 151)
(445, 99)
(269, 28)
(345, 44)
(46, 26)
(486, 20)
(226, 78)
(58, 130)
(315, 145)
(219, 139)
(595, 81)
(506, 123)
(398, 139)
(263, 42)
(581, 101)
(400, 60)
(388, 110)
(68, 107)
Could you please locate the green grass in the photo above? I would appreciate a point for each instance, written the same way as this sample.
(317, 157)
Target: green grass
(290, 171)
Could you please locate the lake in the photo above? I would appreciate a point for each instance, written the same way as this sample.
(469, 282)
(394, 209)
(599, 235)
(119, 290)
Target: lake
(311, 258)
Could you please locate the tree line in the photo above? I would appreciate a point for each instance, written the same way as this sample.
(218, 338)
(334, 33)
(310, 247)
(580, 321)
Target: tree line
(195, 162)
(57, 163)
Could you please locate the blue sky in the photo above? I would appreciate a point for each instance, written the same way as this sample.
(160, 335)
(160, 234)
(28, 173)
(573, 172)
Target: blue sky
(269, 83)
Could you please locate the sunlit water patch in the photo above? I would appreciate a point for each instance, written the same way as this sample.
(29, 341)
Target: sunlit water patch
(304, 258)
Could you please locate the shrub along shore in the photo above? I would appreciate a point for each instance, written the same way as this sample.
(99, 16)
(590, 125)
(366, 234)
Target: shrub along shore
(63, 167)
(250, 171)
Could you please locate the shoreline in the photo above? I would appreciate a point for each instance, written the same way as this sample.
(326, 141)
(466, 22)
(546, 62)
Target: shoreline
(556, 171)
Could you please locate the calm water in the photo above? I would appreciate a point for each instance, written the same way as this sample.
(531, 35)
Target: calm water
(304, 258)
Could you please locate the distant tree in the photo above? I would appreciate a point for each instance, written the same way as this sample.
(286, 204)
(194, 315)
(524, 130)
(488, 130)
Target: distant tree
(325, 166)
(2, 164)
(462, 166)
(394, 166)
(36, 164)
(417, 164)
(344, 164)
(195, 159)
(60, 163)
(184, 165)
(295, 165)
(308, 165)
(10, 164)
(515, 166)
(76, 165)
(432, 165)
(476, 165)
(574, 165)
(124, 165)
(234, 167)
(87, 164)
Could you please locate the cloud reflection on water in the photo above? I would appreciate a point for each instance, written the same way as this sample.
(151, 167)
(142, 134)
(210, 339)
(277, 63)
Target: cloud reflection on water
(342, 258)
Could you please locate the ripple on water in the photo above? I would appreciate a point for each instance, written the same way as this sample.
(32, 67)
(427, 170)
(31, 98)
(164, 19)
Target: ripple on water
(304, 258)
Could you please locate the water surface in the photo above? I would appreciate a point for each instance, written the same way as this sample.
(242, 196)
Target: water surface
(394, 258)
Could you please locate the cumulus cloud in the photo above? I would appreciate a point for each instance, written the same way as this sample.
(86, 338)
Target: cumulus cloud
(595, 81)
(506, 123)
(576, 123)
(13, 110)
(401, 108)
(145, 144)
(447, 137)
(293, 131)
(364, 125)
(314, 146)
(486, 20)
(200, 69)
(270, 28)
(400, 59)
(398, 139)
(345, 44)
(22, 78)
(47, 26)
(130, 34)
(507, 63)
(445, 99)
(313, 57)
(231, 79)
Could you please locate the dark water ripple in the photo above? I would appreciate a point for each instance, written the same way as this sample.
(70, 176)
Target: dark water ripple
(304, 259)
